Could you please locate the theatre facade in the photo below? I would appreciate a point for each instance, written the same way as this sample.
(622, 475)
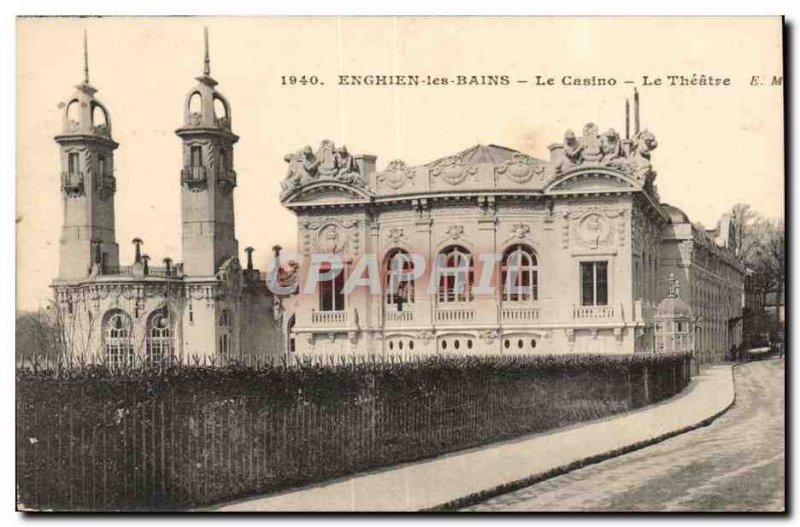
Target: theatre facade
(571, 254)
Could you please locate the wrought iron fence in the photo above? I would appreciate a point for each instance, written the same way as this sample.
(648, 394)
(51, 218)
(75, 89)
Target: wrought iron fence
(186, 435)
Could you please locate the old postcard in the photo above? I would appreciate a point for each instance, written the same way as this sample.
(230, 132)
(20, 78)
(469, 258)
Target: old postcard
(400, 264)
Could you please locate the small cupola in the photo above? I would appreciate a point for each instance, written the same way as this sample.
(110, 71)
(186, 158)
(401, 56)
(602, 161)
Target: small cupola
(205, 107)
(673, 319)
(83, 114)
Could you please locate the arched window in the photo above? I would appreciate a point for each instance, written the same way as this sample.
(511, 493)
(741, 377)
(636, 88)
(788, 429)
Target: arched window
(456, 274)
(222, 112)
(399, 282)
(220, 108)
(225, 336)
(159, 337)
(118, 338)
(99, 118)
(519, 274)
(73, 113)
(196, 104)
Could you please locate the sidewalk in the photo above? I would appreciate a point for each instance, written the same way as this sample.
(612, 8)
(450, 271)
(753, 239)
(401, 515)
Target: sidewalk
(456, 478)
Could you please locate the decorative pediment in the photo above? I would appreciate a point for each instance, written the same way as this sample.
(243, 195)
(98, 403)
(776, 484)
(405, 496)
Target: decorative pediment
(327, 191)
(593, 179)
(328, 165)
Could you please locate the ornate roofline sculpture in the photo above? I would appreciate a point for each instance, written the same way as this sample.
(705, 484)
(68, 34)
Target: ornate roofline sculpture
(328, 163)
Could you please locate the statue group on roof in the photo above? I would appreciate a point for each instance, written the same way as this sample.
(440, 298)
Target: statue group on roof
(327, 163)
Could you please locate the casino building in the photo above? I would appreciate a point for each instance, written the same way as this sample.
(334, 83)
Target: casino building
(584, 234)
(581, 237)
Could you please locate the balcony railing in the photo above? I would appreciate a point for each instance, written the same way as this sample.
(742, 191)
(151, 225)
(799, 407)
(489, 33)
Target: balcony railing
(226, 177)
(194, 177)
(152, 270)
(456, 315)
(223, 122)
(329, 318)
(72, 182)
(102, 129)
(107, 183)
(593, 312)
(519, 314)
(399, 317)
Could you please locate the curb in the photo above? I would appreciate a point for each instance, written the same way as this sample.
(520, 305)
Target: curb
(478, 497)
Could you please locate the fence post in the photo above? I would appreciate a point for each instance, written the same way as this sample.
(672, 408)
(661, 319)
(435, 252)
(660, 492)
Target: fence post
(645, 385)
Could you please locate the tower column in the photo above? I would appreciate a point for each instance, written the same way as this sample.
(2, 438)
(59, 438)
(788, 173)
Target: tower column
(88, 184)
(207, 178)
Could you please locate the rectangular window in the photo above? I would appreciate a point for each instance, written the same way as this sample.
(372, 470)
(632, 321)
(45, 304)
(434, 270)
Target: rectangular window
(223, 159)
(74, 164)
(196, 156)
(331, 295)
(101, 165)
(594, 283)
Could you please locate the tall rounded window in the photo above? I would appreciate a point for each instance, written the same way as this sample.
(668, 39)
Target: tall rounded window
(456, 274)
(520, 274)
(118, 338)
(399, 270)
(159, 337)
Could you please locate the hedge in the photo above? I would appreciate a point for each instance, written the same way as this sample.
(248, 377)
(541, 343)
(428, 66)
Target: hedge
(186, 435)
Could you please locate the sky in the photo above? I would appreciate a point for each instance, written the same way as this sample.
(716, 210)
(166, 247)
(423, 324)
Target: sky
(717, 146)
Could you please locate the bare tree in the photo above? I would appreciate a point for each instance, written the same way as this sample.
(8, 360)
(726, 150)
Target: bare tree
(743, 218)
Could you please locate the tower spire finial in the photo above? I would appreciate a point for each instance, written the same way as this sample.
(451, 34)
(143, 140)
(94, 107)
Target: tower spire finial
(85, 59)
(207, 61)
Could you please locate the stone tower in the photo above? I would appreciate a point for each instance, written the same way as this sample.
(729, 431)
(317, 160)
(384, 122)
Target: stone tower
(207, 178)
(88, 184)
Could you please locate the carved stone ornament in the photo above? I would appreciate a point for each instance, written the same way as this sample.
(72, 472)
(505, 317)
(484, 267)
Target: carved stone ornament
(643, 144)
(609, 150)
(453, 170)
(593, 227)
(329, 162)
(519, 168)
(331, 236)
(593, 231)
(395, 234)
(455, 231)
(490, 335)
(425, 336)
(520, 230)
(396, 174)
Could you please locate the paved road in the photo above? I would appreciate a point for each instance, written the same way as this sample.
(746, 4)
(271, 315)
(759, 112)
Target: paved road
(735, 464)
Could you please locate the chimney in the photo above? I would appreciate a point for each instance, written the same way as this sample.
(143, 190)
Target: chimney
(138, 243)
(276, 250)
(635, 111)
(249, 251)
(366, 166)
(556, 153)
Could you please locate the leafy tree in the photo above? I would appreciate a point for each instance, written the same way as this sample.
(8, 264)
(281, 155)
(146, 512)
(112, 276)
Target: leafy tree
(37, 335)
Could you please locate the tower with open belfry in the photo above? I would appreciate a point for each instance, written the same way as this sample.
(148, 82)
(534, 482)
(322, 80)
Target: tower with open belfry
(207, 306)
